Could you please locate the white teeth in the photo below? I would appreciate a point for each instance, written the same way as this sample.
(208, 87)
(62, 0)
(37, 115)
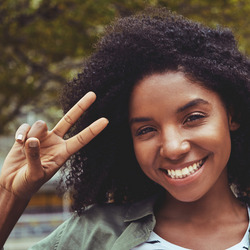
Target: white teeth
(185, 171)
(181, 173)
(195, 166)
(178, 173)
(191, 169)
(173, 173)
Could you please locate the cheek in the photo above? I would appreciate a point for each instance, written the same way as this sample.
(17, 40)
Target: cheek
(140, 153)
(146, 154)
(217, 140)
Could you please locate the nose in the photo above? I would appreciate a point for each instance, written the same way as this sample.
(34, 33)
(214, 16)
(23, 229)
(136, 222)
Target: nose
(174, 145)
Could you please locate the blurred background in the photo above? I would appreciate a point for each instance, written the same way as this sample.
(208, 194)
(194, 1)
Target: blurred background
(42, 45)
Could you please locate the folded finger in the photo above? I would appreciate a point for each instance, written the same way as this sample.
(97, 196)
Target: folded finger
(32, 150)
(21, 132)
(39, 130)
(74, 113)
(85, 136)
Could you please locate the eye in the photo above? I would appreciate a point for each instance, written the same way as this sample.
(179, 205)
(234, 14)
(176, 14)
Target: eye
(144, 131)
(194, 117)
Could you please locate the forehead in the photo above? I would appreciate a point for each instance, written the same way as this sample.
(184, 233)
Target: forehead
(171, 89)
(168, 83)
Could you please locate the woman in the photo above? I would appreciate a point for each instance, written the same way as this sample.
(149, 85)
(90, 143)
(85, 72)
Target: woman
(173, 161)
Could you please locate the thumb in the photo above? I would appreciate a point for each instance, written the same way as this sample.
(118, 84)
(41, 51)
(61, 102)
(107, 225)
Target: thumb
(34, 171)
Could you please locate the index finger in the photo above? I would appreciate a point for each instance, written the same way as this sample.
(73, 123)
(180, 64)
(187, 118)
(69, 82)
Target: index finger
(78, 141)
(74, 113)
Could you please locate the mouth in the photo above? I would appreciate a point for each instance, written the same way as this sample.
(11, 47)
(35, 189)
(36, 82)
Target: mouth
(185, 172)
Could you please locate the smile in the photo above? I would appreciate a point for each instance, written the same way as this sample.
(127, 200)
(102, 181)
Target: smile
(185, 172)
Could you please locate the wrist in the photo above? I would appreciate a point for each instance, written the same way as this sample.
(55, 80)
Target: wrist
(11, 208)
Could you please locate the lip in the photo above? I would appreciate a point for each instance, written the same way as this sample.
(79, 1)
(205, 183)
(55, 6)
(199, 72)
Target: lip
(187, 179)
(187, 164)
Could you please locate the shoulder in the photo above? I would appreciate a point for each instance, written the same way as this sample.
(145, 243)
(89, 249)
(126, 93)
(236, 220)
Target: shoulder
(100, 217)
(103, 227)
(98, 224)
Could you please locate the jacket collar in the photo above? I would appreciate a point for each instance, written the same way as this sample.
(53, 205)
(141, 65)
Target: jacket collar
(140, 221)
(141, 209)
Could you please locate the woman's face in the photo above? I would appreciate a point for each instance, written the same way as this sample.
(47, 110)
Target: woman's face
(181, 135)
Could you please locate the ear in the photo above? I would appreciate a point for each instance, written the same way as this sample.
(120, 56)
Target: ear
(233, 125)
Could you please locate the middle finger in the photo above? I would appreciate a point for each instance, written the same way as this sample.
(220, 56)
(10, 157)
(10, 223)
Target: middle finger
(74, 113)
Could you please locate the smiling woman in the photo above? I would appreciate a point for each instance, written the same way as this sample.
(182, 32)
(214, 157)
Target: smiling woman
(182, 142)
(174, 157)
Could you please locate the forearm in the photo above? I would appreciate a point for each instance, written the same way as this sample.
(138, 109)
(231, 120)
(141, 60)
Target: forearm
(11, 208)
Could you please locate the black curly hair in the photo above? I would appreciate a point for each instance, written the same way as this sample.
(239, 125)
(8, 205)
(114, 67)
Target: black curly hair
(153, 41)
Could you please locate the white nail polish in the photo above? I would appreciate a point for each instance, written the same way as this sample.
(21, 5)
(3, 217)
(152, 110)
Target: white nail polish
(19, 137)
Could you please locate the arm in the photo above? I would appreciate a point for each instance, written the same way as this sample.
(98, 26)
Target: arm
(11, 208)
(35, 157)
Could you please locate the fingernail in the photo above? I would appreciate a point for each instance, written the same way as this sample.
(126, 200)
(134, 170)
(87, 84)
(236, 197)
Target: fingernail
(33, 144)
(19, 137)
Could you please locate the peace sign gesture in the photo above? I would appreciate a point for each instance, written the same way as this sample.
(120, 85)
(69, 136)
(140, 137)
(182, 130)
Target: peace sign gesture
(38, 154)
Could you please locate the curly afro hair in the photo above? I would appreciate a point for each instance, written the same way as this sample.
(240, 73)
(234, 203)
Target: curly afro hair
(133, 47)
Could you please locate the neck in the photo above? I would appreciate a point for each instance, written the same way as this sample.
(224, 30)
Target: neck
(218, 203)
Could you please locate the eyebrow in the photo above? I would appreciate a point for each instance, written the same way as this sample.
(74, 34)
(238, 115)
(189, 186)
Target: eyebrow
(139, 119)
(192, 103)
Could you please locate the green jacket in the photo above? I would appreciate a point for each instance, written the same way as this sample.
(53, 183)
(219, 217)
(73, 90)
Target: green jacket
(104, 227)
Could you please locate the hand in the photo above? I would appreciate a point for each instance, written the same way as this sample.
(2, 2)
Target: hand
(38, 154)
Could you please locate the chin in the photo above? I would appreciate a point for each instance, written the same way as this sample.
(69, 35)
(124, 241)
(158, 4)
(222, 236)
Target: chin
(190, 197)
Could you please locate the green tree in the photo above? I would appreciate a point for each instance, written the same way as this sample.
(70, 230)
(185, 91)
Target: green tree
(43, 43)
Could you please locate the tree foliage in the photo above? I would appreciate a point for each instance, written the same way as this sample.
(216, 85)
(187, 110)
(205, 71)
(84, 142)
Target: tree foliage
(43, 43)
